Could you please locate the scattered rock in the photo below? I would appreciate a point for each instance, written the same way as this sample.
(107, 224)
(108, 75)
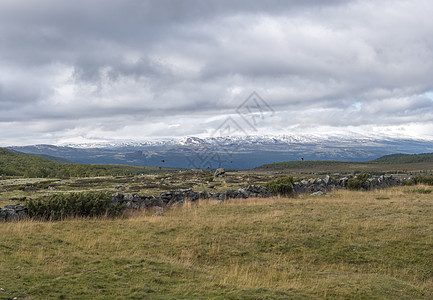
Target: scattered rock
(159, 211)
(319, 193)
(327, 179)
(219, 173)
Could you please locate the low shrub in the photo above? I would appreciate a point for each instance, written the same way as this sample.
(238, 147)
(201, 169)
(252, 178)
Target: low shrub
(382, 198)
(408, 181)
(59, 206)
(358, 182)
(427, 180)
(282, 186)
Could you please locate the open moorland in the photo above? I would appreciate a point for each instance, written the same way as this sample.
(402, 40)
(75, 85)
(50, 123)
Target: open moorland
(152, 181)
(17, 190)
(345, 244)
(396, 167)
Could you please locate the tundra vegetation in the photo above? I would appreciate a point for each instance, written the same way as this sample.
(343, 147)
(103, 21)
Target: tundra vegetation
(345, 244)
(32, 166)
(373, 244)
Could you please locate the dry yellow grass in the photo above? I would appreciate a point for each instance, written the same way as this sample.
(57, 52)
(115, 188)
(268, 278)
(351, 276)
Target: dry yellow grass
(346, 244)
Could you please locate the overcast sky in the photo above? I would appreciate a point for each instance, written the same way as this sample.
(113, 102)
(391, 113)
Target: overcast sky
(74, 71)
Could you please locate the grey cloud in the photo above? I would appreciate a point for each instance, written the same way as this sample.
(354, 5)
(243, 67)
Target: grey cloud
(315, 62)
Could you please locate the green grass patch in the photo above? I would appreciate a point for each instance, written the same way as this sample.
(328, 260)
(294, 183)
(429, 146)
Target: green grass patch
(383, 198)
(419, 191)
(33, 166)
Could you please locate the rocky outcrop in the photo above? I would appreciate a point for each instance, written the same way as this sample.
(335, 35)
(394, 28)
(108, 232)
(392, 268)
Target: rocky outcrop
(219, 173)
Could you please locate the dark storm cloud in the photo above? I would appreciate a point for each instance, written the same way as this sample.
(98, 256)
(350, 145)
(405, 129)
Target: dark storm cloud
(77, 67)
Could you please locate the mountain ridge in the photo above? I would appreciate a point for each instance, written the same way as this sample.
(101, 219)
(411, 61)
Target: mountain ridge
(251, 139)
(242, 152)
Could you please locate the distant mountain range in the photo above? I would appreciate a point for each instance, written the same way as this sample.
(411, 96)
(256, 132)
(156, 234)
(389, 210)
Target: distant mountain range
(232, 152)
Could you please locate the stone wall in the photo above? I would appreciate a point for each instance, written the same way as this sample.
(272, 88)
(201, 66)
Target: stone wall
(176, 198)
(315, 186)
(323, 185)
(12, 213)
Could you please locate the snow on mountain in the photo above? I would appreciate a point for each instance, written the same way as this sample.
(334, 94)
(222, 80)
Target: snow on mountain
(285, 139)
(188, 141)
(241, 152)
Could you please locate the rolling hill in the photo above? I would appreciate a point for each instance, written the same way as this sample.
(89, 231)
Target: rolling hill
(405, 158)
(49, 157)
(394, 163)
(18, 164)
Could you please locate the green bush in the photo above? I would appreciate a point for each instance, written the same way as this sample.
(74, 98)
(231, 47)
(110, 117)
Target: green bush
(59, 206)
(410, 181)
(358, 182)
(282, 186)
(427, 180)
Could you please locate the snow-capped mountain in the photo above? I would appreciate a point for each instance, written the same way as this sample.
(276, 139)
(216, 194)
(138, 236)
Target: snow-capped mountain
(286, 139)
(227, 140)
(234, 152)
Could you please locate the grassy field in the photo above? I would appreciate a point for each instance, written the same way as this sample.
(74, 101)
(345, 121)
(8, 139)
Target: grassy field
(351, 245)
(328, 167)
(14, 190)
(33, 166)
